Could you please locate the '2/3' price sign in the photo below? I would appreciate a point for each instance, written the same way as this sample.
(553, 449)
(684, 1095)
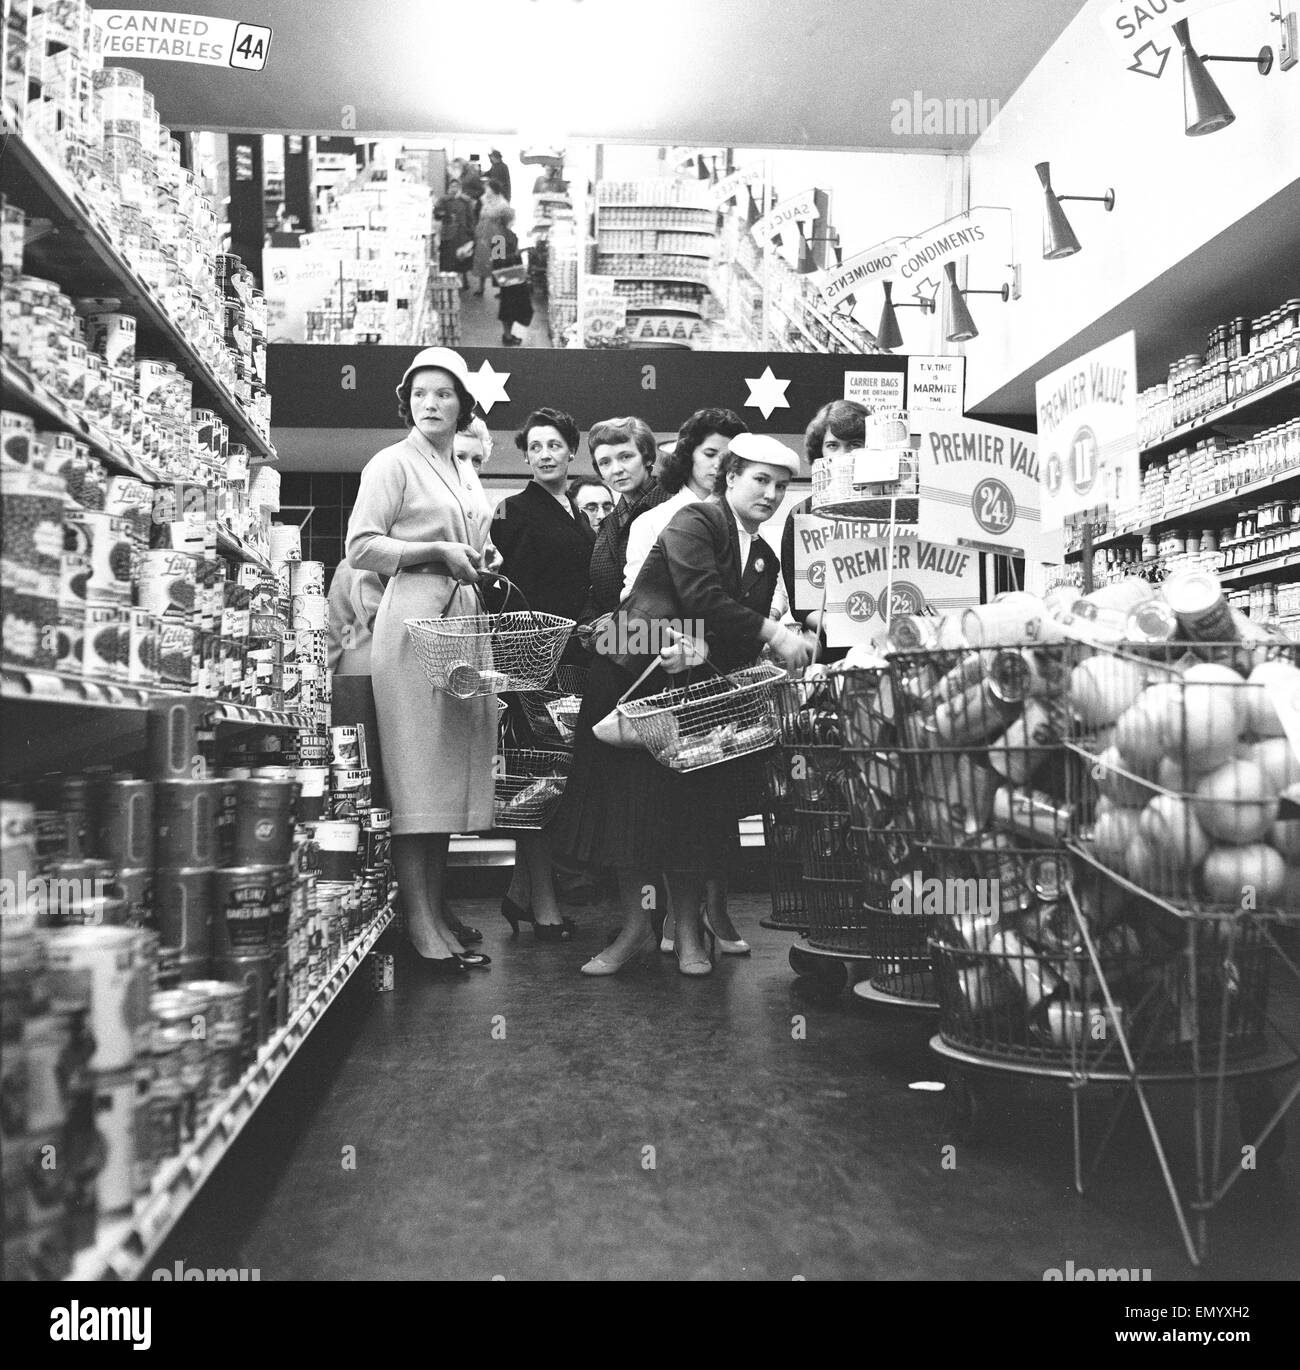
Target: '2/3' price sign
(199, 38)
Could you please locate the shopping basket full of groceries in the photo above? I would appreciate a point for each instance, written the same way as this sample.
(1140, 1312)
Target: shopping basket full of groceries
(471, 655)
(708, 722)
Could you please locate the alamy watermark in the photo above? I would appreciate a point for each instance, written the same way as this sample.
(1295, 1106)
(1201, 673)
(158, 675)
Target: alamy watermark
(616, 636)
(226, 1275)
(918, 894)
(21, 898)
(919, 115)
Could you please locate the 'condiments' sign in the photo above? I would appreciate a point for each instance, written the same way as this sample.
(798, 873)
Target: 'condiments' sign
(866, 268)
(200, 38)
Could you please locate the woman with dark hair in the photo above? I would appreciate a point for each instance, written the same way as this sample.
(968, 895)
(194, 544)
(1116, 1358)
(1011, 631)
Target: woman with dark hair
(840, 426)
(687, 474)
(624, 453)
(591, 498)
(422, 520)
(545, 546)
(621, 808)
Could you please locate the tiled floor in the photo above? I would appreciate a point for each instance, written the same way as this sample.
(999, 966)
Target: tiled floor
(533, 1123)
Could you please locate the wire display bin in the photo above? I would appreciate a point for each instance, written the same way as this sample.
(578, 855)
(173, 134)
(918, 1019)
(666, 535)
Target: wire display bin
(1104, 866)
(781, 846)
(884, 831)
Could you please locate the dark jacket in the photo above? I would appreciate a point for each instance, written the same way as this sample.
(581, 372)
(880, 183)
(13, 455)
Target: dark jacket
(609, 554)
(545, 552)
(694, 572)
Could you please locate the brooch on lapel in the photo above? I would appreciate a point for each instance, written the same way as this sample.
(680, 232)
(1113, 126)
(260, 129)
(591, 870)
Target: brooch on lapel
(758, 565)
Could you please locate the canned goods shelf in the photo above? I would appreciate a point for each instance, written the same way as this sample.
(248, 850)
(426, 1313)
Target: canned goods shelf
(1281, 484)
(49, 687)
(231, 546)
(26, 393)
(97, 267)
(125, 1245)
(1239, 409)
(1287, 561)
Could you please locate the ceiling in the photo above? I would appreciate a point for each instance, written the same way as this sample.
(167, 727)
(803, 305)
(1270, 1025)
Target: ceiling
(743, 73)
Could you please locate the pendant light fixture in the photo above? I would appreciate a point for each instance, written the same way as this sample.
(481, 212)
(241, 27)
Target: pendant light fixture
(888, 336)
(1058, 237)
(1204, 108)
(963, 326)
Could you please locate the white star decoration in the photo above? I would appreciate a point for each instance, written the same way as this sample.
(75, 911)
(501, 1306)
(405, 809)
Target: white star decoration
(766, 393)
(488, 386)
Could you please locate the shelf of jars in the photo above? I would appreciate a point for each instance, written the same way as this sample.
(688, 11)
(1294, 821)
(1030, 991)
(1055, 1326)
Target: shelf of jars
(82, 255)
(86, 692)
(1259, 404)
(124, 1245)
(1285, 483)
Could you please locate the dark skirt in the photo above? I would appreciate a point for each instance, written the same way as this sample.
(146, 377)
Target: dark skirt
(516, 305)
(622, 808)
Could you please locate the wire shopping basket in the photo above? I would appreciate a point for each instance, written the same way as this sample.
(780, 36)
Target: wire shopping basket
(698, 725)
(552, 713)
(474, 655)
(528, 790)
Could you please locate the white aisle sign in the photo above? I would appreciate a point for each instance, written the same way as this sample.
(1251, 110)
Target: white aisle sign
(875, 389)
(1088, 433)
(812, 535)
(200, 38)
(936, 384)
(981, 482)
(1140, 30)
(862, 596)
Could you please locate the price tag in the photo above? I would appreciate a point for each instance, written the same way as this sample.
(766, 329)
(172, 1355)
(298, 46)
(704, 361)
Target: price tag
(876, 468)
(1285, 696)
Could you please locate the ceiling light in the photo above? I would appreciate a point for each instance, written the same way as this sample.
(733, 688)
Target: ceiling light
(1204, 108)
(888, 336)
(1058, 237)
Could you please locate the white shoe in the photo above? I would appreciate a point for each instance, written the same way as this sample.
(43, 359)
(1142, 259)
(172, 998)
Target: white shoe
(737, 948)
(668, 941)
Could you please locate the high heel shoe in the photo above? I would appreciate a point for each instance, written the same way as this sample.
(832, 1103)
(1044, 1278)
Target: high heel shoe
(696, 966)
(441, 967)
(604, 964)
(465, 934)
(514, 915)
(473, 960)
(553, 932)
(737, 948)
(667, 940)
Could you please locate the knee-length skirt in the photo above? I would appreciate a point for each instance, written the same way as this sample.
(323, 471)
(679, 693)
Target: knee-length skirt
(622, 808)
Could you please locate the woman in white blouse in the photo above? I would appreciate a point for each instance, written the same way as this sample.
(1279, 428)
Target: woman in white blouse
(687, 474)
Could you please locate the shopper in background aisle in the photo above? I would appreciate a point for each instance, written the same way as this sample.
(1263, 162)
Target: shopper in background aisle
(545, 547)
(471, 181)
(689, 474)
(840, 426)
(510, 276)
(455, 215)
(422, 519)
(490, 232)
(621, 808)
(354, 600)
(474, 444)
(499, 172)
(592, 499)
(623, 452)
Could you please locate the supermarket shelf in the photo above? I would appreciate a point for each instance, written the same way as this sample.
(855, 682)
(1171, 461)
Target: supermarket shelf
(1285, 483)
(1284, 561)
(50, 687)
(670, 280)
(94, 266)
(27, 394)
(658, 251)
(650, 204)
(1238, 409)
(666, 308)
(231, 546)
(125, 1245)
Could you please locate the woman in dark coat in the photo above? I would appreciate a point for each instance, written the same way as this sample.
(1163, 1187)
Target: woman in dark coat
(621, 808)
(545, 546)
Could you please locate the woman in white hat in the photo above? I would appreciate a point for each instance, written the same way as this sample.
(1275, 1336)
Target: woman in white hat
(421, 518)
(621, 808)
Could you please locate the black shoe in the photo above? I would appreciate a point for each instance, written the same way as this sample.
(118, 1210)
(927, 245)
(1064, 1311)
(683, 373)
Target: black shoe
(440, 967)
(473, 960)
(463, 934)
(553, 932)
(514, 915)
